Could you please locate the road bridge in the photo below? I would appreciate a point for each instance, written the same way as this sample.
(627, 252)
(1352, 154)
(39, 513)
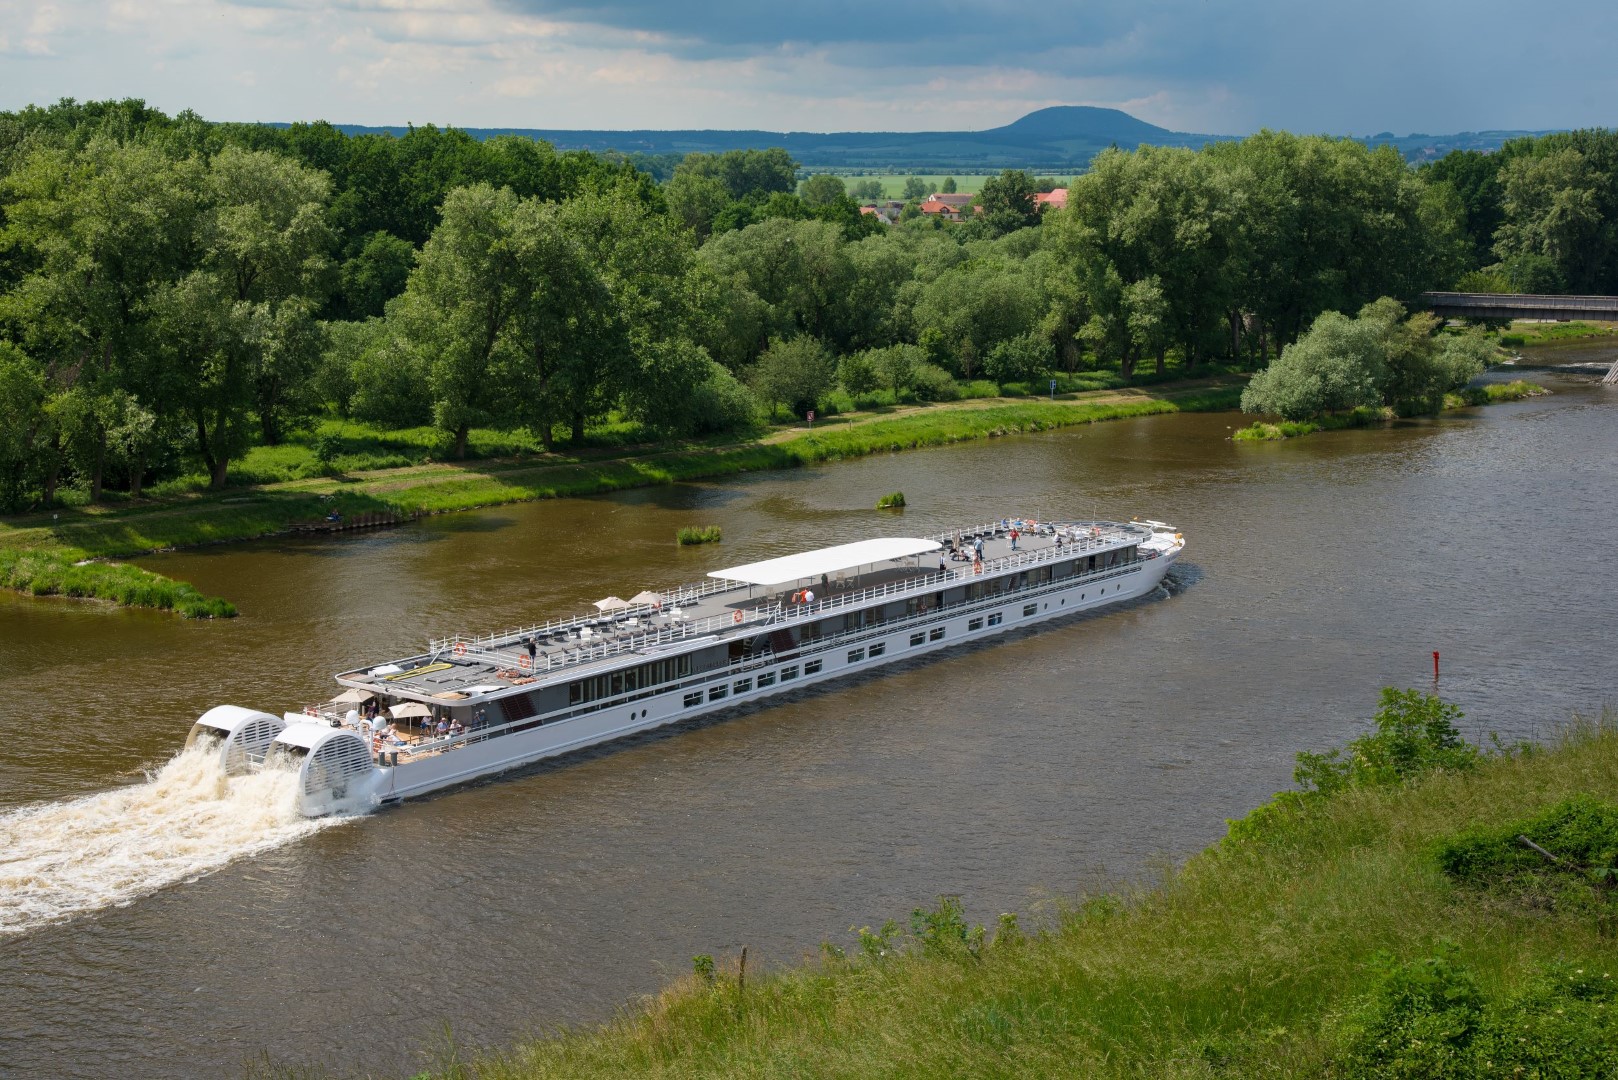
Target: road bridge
(1455, 305)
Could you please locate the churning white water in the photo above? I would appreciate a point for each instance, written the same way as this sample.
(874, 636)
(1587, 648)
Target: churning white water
(188, 818)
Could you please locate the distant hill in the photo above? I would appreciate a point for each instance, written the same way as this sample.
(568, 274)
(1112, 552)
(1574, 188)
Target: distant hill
(1060, 139)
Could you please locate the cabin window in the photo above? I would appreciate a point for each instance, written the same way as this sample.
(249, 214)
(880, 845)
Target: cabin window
(789, 673)
(1029, 609)
(1039, 575)
(856, 655)
(693, 698)
(917, 639)
(878, 649)
(936, 634)
(995, 618)
(766, 678)
(975, 624)
(629, 680)
(717, 692)
(743, 686)
(812, 667)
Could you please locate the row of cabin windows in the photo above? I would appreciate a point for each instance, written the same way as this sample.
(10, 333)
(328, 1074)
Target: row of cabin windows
(629, 680)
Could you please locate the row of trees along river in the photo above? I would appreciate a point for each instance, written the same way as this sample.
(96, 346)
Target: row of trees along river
(177, 295)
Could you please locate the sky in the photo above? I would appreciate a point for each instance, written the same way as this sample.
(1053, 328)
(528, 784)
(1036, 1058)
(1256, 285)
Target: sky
(1209, 66)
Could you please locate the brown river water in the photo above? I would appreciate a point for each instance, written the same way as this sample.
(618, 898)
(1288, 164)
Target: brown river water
(166, 927)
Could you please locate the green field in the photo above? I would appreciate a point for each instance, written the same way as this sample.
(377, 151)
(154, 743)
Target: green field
(893, 184)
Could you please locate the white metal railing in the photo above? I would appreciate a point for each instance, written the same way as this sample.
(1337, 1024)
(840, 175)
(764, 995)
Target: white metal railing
(699, 681)
(499, 648)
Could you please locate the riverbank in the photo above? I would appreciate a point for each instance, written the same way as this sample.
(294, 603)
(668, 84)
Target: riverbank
(130, 529)
(1386, 924)
(1486, 394)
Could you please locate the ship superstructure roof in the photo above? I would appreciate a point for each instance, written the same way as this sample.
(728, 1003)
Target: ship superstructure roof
(812, 565)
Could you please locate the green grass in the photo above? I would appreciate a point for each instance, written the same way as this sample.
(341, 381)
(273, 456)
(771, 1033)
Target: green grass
(691, 535)
(49, 573)
(1536, 333)
(893, 184)
(893, 501)
(1296, 949)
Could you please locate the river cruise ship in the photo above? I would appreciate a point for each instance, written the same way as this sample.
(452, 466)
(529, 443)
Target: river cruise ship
(470, 706)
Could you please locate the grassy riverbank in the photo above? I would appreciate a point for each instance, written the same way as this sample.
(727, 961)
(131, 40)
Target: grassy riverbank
(191, 518)
(50, 573)
(1486, 394)
(1336, 933)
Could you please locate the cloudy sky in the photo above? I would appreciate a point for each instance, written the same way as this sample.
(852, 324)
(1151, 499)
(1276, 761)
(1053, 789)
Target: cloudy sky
(1211, 66)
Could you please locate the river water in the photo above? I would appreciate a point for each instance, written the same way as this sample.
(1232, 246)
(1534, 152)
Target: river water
(211, 929)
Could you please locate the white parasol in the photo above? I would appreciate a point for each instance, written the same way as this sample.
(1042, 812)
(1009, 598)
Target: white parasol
(646, 596)
(353, 697)
(611, 603)
(410, 708)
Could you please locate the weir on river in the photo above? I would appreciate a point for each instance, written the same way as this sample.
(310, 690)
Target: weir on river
(212, 928)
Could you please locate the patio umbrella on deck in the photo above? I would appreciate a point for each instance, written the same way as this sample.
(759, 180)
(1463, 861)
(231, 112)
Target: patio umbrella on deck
(611, 603)
(410, 708)
(353, 697)
(646, 596)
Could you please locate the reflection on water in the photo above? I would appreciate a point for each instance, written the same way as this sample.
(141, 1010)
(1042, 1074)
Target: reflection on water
(1318, 570)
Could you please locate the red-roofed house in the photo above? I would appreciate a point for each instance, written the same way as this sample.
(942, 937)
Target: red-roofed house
(934, 208)
(1054, 200)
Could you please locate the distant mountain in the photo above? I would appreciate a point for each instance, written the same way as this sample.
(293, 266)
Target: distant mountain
(1058, 140)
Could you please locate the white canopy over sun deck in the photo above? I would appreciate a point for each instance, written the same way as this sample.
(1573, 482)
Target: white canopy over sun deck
(808, 565)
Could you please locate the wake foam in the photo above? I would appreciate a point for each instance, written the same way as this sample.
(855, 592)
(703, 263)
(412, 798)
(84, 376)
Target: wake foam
(64, 858)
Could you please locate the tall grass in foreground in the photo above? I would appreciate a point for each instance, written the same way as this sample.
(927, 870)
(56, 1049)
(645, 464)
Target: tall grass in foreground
(1322, 938)
(46, 573)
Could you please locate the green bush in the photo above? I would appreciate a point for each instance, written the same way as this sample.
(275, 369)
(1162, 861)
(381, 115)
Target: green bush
(1579, 838)
(1429, 1018)
(930, 382)
(894, 501)
(691, 534)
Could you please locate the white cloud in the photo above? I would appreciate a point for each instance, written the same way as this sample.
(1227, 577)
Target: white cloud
(1185, 64)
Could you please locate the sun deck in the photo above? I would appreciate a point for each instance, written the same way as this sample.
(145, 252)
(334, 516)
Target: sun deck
(462, 669)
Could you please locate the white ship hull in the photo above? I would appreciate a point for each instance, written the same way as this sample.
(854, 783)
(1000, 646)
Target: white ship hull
(515, 701)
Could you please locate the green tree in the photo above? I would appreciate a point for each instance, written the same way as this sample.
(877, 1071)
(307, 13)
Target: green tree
(897, 365)
(23, 420)
(915, 189)
(822, 189)
(1554, 214)
(948, 186)
(867, 191)
(796, 372)
(457, 306)
(858, 375)
(373, 276)
(745, 172)
(103, 230)
(1024, 358)
(800, 269)
(1336, 365)
(696, 201)
(1007, 202)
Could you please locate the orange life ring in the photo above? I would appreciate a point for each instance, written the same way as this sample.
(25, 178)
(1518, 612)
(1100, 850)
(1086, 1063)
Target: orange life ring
(524, 662)
(736, 616)
(460, 648)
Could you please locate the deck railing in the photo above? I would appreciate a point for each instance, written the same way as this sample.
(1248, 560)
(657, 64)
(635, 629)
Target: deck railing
(501, 649)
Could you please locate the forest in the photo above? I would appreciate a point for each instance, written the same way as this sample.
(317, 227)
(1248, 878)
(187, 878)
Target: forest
(177, 293)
